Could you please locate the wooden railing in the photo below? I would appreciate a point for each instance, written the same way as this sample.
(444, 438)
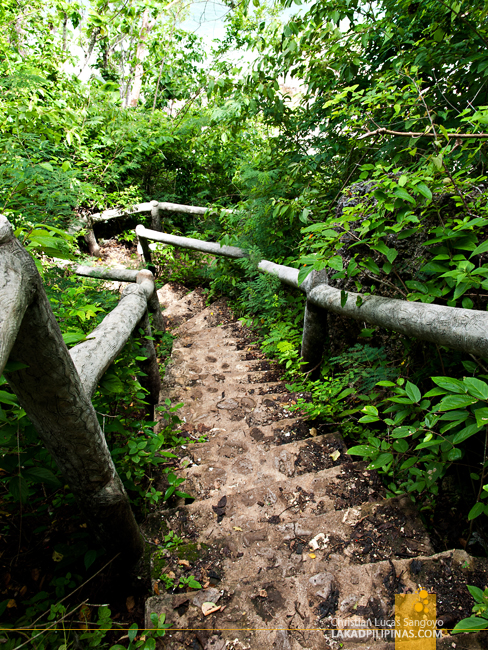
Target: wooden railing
(54, 385)
(460, 329)
(154, 207)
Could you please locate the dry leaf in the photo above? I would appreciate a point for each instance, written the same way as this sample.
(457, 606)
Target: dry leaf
(335, 455)
(312, 555)
(57, 557)
(130, 603)
(184, 563)
(237, 528)
(156, 588)
(263, 593)
(23, 590)
(11, 603)
(209, 608)
(313, 432)
(171, 575)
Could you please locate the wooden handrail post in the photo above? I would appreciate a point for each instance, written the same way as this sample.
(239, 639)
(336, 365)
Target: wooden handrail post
(151, 380)
(314, 328)
(91, 240)
(146, 252)
(50, 391)
(152, 301)
(155, 216)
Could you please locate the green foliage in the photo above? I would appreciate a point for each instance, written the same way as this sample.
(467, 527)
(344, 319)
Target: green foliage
(425, 435)
(480, 610)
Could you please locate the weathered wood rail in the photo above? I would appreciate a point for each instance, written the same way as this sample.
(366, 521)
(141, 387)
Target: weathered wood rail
(55, 385)
(453, 327)
(154, 207)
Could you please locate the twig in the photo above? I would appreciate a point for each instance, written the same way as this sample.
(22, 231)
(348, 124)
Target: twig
(416, 134)
(479, 363)
(75, 590)
(52, 625)
(389, 284)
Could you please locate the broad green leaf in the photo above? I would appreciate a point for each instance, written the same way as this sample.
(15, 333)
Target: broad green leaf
(477, 593)
(362, 450)
(42, 475)
(7, 398)
(471, 624)
(476, 387)
(452, 402)
(424, 190)
(476, 510)
(448, 383)
(383, 459)
(413, 392)
(481, 416)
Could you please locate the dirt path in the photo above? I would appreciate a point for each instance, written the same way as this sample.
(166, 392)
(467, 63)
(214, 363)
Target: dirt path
(287, 535)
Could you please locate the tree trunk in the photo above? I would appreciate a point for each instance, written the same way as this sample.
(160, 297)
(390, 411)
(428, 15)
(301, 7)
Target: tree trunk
(140, 55)
(50, 391)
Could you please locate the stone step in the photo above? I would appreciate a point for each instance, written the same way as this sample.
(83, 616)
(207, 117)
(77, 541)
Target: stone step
(183, 309)
(216, 315)
(314, 606)
(170, 293)
(336, 488)
(367, 533)
(217, 408)
(233, 460)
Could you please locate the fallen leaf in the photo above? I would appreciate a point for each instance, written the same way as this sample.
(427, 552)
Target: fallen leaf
(23, 590)
(335, 454)
(237, 528)
(312, 555)
(130, 603)
(209, 608)
(263, 593)
(171, 575)
(184, 563)
(156, 540)
(57, 557)
(11, 603)
(156, 588)
(313, 432)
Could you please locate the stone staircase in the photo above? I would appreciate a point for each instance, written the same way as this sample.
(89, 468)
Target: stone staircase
(290, 539)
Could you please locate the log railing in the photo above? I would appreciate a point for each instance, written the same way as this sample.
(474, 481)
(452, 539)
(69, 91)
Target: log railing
(54, 385)
(460, 329)
(154, 207)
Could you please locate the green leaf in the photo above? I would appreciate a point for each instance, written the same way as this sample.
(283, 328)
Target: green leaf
(42, 475)
(448, 383)
(8, 398)
(303, 273)
(383, 459)
(90, 557)
(132, 632)
(466, 433)
(424, 190)
(413, 392)
(362, 450)
(454, 454)
(482, 248)
(477, 593)
(481, 416)
(476, 510)
(476, 387)
(471, 624)
(402, 432)
(400, 193)
(455, 402)
(46, 165)
(401, 446)
(18, 488)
